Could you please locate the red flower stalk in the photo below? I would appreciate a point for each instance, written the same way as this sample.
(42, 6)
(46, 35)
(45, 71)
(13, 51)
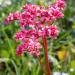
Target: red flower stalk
(46, 55)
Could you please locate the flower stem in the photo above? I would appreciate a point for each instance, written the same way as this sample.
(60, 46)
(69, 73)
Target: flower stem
(46, 55)
(41, 64)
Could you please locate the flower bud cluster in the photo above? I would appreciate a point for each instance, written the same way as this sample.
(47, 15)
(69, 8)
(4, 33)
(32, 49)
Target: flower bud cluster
(38, 20)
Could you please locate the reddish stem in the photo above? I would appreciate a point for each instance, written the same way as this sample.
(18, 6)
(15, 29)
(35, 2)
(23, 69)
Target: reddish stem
(46, 55)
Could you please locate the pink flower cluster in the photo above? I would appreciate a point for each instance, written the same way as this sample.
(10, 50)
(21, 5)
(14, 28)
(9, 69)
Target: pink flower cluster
(29, 45)
(38, 20)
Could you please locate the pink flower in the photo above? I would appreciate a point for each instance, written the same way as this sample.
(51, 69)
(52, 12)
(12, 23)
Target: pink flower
(21, 49)
(33, 47)
(29, 45)
(53, 32)
(60, 4)
(12, 16)
(56, 13)
(9, 18)
(35, 22)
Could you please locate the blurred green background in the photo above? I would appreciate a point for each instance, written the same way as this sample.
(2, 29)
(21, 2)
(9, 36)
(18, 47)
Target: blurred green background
(61, 51)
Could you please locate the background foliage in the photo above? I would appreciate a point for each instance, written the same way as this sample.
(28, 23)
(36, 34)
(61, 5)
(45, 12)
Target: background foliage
(61, 51)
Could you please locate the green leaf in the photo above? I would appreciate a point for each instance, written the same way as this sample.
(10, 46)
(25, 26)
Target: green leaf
(73, 64)
(4, 53)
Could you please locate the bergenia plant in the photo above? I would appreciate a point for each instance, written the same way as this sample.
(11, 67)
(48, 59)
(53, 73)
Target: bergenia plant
(37, 22)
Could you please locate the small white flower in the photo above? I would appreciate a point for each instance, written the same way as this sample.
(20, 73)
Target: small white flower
(4, 3)
(71, 69)
(56, 73)
(65, 74)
